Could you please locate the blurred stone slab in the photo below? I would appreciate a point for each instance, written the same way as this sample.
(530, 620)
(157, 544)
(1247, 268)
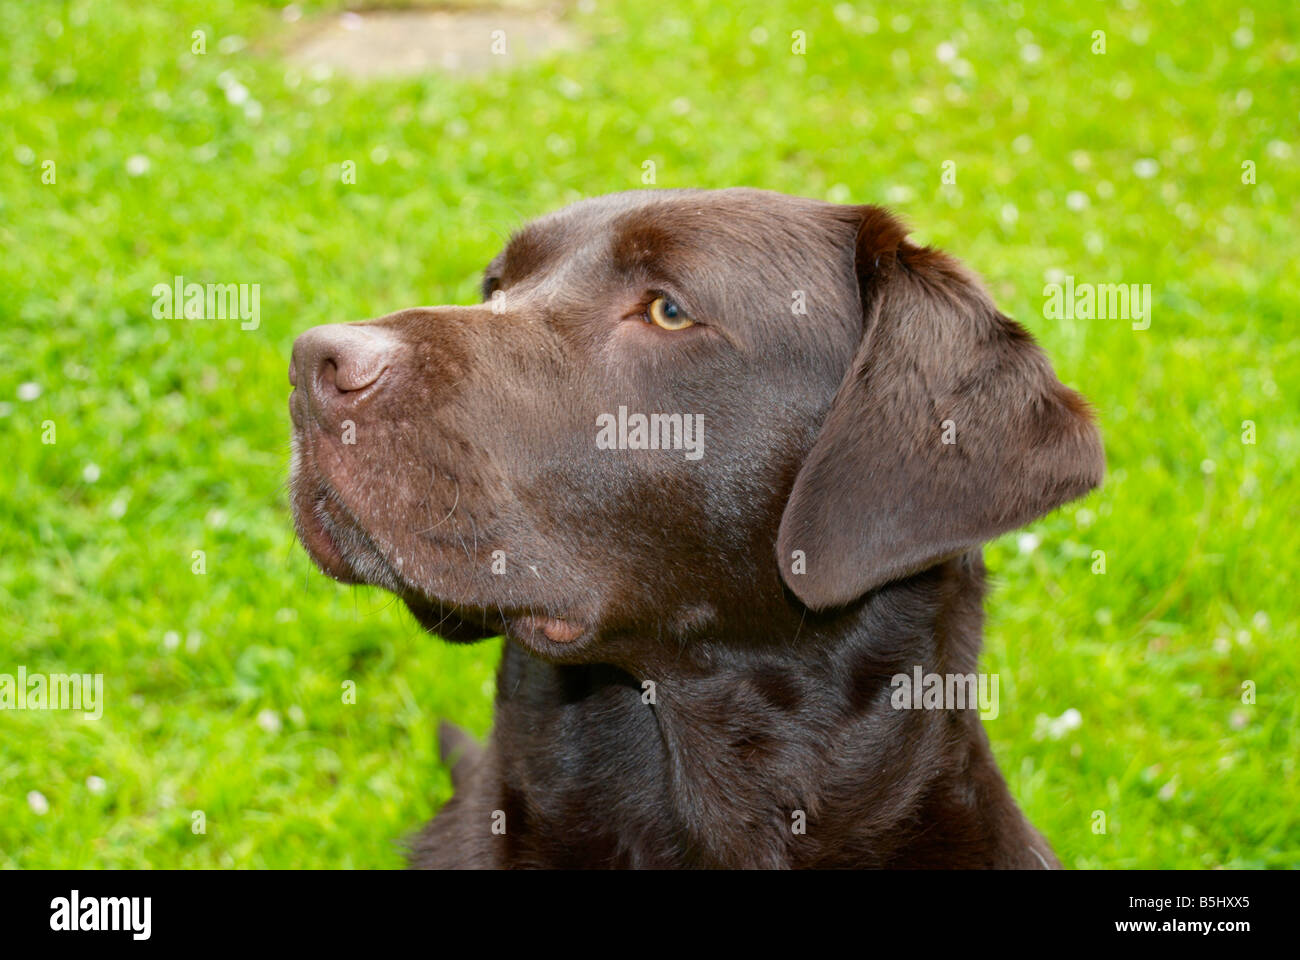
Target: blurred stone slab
(383, 43)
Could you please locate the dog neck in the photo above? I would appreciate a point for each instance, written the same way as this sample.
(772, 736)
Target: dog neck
(782, 751)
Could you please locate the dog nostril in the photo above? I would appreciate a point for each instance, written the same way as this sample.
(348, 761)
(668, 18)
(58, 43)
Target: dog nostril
(354, 371)
(341, 358)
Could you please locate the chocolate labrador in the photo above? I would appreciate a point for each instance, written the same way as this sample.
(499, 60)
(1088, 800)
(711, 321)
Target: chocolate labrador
(718, 465)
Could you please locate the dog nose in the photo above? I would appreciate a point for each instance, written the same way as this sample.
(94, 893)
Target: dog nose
(340, 358)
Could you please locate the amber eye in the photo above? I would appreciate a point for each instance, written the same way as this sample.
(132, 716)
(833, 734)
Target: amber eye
(665, 314)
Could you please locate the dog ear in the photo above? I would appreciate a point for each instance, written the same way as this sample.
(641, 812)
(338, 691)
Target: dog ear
(949, 429)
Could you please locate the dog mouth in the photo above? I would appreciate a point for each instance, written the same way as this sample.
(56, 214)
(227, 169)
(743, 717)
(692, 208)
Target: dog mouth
(461, 624)
(452, 623)
(339, 544)
(317, 517)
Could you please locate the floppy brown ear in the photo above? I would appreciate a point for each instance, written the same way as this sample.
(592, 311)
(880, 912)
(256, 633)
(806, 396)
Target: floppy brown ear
(949, 429)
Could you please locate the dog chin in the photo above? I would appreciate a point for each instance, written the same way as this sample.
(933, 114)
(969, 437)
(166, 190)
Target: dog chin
(452, 623)
(338, 557)
(337, 545)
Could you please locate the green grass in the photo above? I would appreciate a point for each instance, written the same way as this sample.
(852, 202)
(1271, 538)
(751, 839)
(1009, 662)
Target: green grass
(224, 689)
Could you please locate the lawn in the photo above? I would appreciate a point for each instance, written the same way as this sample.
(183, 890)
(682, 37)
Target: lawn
(1169, 160)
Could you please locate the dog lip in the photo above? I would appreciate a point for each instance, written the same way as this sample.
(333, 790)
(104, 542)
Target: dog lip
(559, 630)
(457, 622)
(321, 545)
(450, 622)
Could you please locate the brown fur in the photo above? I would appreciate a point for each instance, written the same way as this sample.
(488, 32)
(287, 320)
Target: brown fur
(476, 443)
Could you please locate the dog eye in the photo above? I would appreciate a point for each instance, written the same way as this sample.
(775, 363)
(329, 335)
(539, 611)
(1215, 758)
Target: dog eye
(667, 315)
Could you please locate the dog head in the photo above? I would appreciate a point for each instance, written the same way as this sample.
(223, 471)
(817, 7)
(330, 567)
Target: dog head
(677, 412)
